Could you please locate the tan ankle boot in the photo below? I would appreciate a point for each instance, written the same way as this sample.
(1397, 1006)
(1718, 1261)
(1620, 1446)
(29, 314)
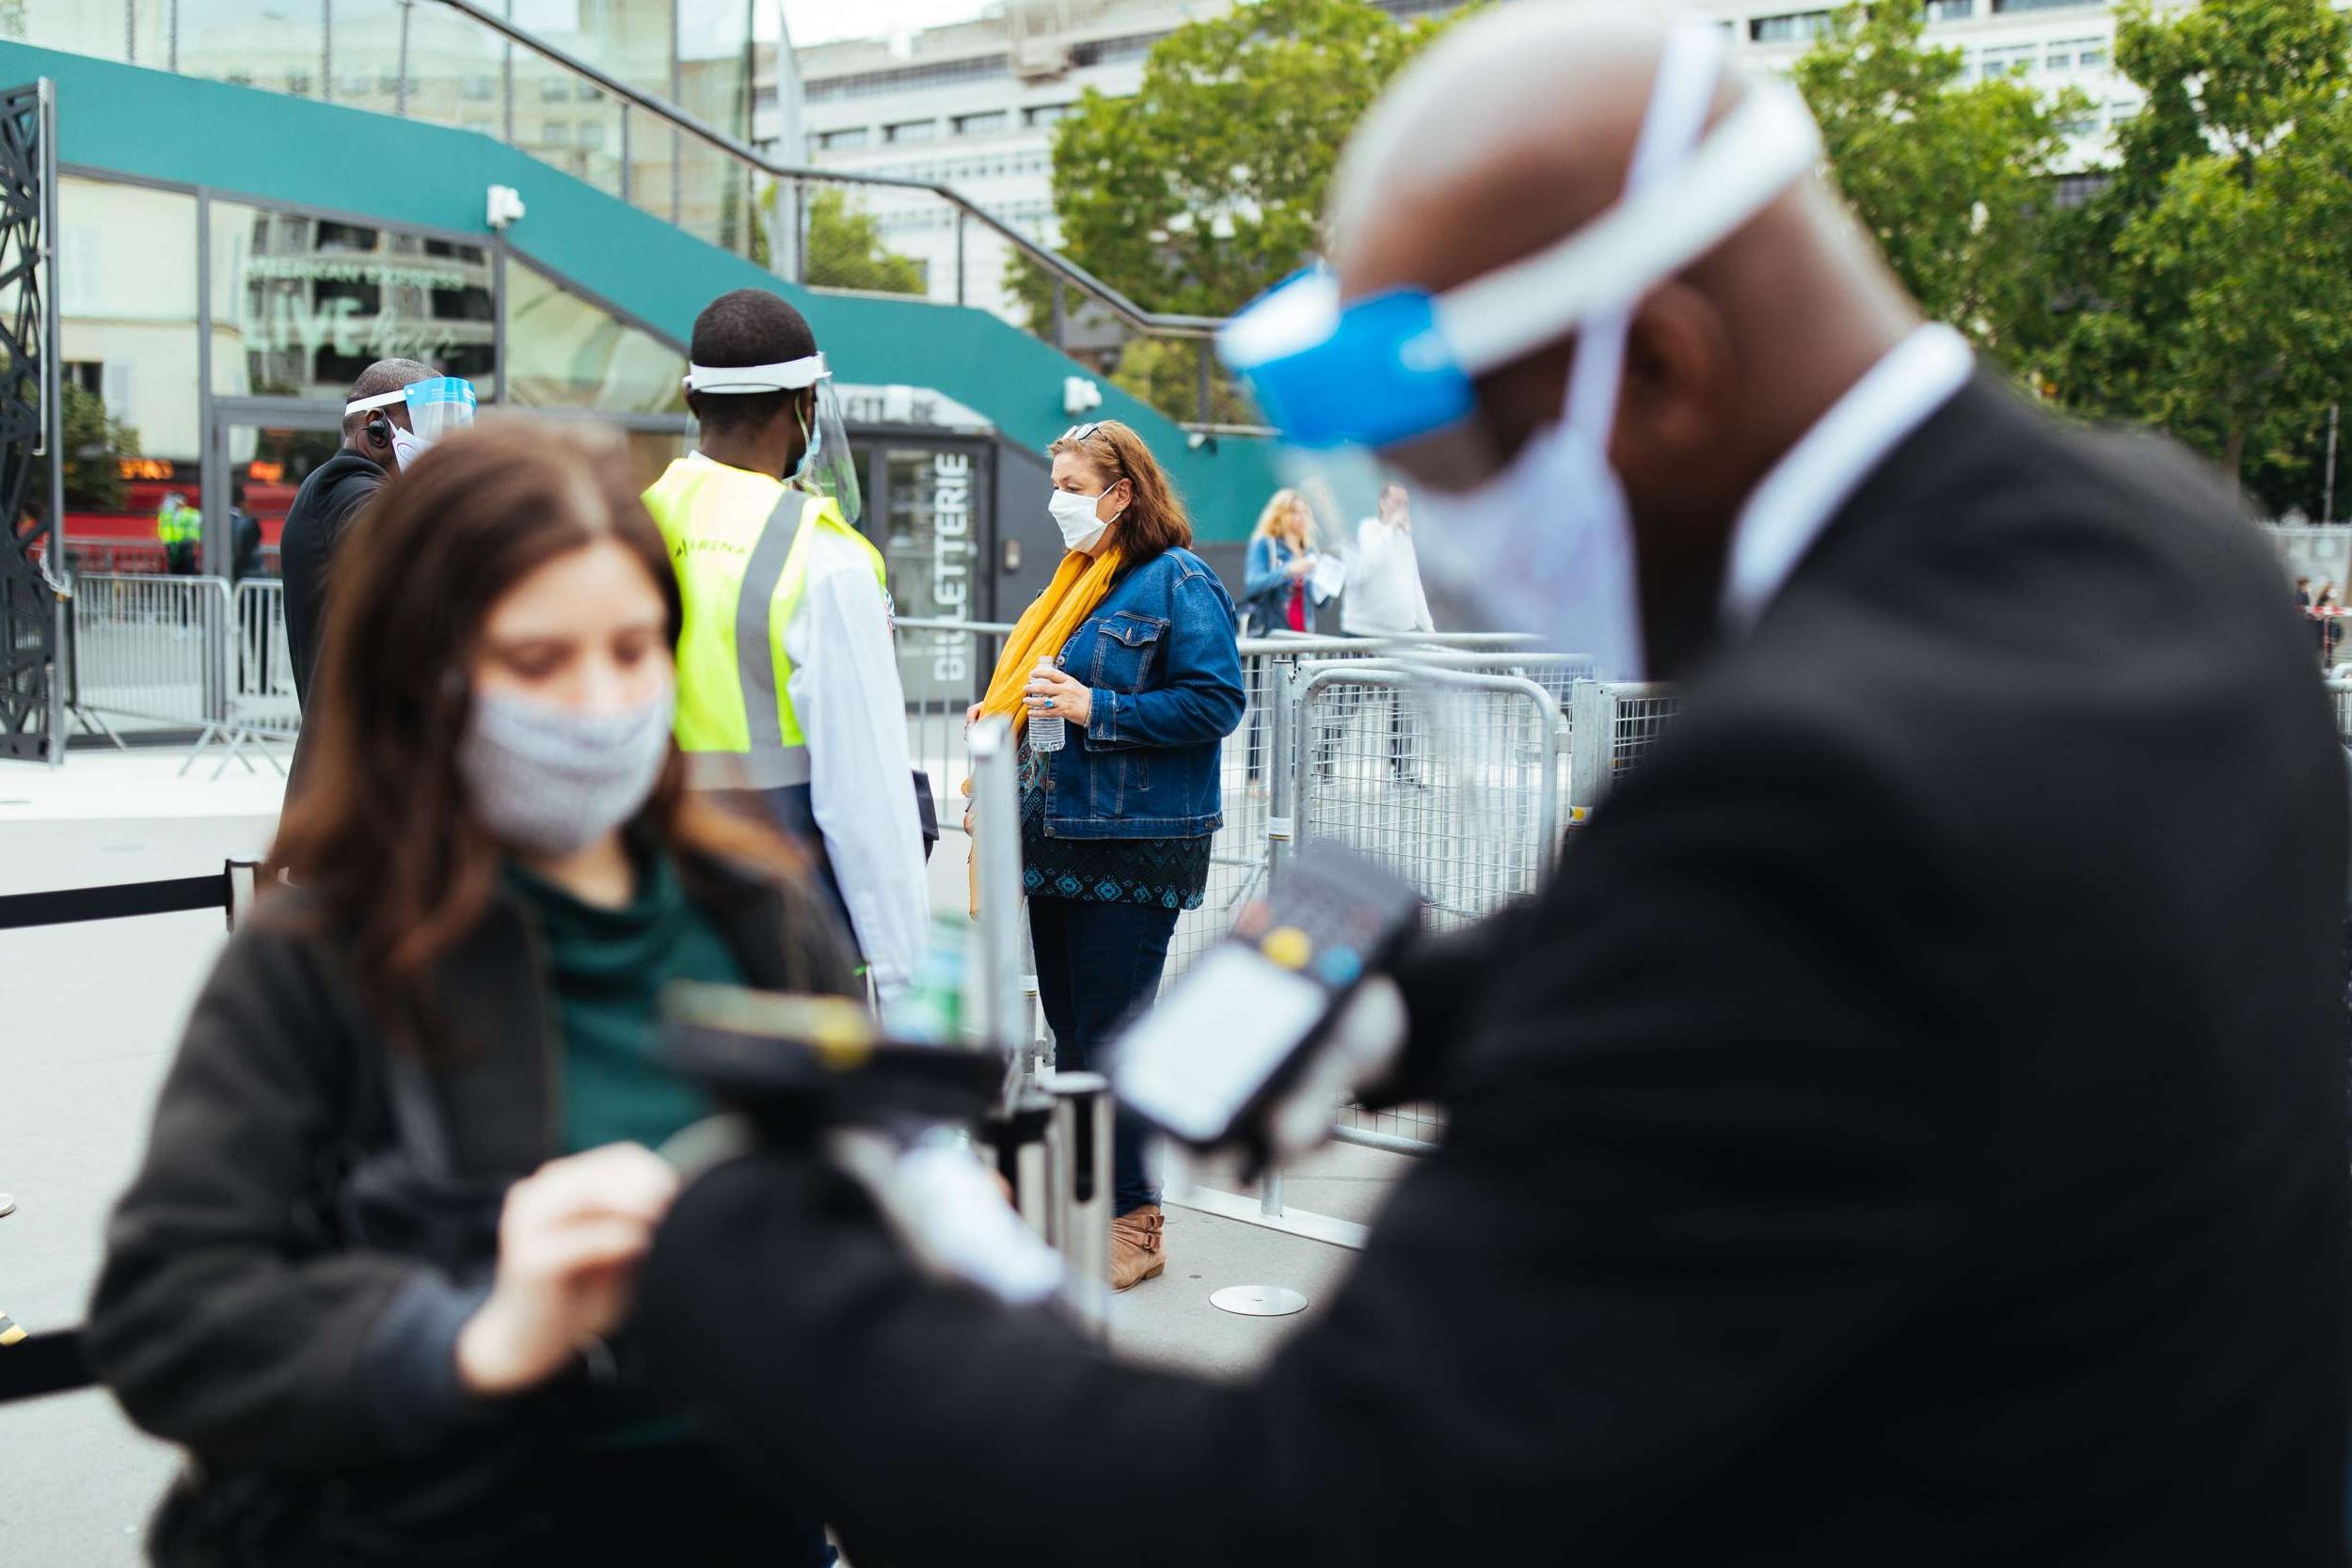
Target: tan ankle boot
(1136, 1254)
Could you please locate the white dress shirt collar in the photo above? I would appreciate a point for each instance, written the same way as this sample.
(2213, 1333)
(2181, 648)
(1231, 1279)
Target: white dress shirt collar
(1796, 500)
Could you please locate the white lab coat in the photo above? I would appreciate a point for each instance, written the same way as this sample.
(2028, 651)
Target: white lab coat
(852, 709)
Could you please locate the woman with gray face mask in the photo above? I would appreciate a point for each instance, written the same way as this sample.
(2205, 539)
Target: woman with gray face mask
(375, 1273)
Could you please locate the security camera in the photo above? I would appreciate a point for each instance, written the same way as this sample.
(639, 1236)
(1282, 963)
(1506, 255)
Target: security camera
(507, 206)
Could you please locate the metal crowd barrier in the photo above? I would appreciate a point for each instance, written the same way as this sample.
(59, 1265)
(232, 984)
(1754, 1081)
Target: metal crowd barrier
(261, 705)
(2340, 696)
(152, 650)
(1612, 728)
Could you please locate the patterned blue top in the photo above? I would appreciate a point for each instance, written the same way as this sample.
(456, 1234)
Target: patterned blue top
(1165, 873)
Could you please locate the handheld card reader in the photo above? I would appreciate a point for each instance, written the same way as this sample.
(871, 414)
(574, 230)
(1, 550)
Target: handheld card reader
(1220, 1049)
(817, 1061)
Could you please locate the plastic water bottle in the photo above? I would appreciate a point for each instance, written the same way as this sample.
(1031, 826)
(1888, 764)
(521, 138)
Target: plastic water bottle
(1047, 733)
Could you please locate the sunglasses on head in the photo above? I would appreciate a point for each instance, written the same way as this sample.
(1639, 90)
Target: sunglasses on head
(1081, 432)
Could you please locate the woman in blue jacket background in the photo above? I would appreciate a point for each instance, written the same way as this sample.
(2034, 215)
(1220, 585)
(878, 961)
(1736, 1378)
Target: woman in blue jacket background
(1115, 827)
(1276, 581)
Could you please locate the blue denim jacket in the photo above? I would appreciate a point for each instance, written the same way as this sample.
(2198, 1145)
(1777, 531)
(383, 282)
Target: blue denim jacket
(1267, 586)
(1159, 661)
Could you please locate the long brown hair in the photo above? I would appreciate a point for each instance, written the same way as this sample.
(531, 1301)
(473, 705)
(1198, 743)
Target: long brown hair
(1155, 521)
(381, 831)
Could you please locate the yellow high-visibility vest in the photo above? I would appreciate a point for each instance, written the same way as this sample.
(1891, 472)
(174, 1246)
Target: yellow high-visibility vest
(740, 543)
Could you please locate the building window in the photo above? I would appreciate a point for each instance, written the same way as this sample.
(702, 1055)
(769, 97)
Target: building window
(1791, 27)
(1952, 10)
(1113, 51)
(591, 135)
(2091, 55)
(555, 133)
(908, 130)
(1046, 113)
(869, 84)
(983, 124)
(2011, 7)
(586, 91)
(553, 90)
(2012, 59)
(834, 141)
(480, 87)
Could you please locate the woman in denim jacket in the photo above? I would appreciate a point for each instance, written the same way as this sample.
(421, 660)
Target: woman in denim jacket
(1282, 560)
(1115, 827)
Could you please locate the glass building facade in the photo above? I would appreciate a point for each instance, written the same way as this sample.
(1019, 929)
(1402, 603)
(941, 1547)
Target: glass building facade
(428, 62)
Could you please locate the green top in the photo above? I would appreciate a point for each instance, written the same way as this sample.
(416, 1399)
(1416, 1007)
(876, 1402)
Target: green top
(608, 968)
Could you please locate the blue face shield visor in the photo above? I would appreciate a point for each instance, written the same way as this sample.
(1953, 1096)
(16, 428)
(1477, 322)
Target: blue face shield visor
(1395, 365)
(438, 405)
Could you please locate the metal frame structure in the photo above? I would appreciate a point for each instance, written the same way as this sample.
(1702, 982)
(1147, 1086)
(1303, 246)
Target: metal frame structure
(32, 595)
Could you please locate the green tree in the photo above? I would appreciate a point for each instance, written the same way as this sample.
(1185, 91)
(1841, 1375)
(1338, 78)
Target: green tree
(93, 444)
(2213, 265)
(1206, 187)
(1954, 181)
(843, 247)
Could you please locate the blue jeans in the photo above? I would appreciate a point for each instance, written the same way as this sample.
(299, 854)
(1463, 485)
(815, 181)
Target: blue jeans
(1096, 963)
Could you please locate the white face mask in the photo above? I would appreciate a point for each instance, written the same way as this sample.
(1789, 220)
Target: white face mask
(408, 446)
(1081, 529)
(550, 781)
(1546, 545)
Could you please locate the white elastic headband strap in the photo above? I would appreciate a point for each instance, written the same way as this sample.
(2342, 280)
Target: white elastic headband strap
(1688, 71)
(1647, 238)
(788, 376)
(381, 400)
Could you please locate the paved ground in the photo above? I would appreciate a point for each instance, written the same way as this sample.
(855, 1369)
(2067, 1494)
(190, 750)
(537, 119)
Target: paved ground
(87, 1018)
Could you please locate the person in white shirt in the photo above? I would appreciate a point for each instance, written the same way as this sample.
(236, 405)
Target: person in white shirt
(789, 689)
(1385, 598)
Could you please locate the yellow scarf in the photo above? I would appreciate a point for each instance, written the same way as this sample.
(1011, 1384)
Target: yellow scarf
(1079, 584)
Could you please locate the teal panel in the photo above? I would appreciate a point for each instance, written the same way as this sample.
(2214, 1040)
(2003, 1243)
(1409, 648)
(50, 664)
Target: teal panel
(245, 142)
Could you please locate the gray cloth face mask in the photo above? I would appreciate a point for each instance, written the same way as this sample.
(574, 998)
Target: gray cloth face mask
(550, 781)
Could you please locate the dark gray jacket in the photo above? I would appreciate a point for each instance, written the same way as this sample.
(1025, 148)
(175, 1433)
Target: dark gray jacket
(230, 1317)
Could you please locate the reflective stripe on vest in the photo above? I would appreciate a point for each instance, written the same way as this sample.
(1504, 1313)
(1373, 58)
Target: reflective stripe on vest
(741, 562)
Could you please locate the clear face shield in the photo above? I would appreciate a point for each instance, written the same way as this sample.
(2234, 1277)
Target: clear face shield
(437, 407)
(827, 466)
(1380, 392)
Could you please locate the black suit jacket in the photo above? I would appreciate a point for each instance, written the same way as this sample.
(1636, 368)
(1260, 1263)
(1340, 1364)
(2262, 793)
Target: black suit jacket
(1910, 1130)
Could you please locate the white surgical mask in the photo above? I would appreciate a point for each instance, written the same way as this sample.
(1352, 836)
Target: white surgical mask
(1546, 545)
(547, 780)
(408, 446)
(1081, 529)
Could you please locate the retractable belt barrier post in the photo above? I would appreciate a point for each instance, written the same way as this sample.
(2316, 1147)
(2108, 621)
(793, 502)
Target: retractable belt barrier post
(32, 1365)
(1052, 1139)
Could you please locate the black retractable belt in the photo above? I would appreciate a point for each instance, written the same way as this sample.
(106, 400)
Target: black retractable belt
(72, 906)
(43, 1364)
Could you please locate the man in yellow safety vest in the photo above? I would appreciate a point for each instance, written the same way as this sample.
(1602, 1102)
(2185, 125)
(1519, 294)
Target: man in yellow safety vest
(789, 689)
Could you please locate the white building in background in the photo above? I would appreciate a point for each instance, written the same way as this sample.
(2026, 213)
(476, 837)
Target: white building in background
(973, 105)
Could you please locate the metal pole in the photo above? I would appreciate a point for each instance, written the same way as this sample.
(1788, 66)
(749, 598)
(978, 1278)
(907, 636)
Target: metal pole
(1282, 782)
(1270, 1193)
(399, 87)
(959, 299)
(1201, 353)
(327, 51)
(2327, 508)
(1081, 1230)
(57, 672)
(1061, 311)
(996, 846)
(624, 151)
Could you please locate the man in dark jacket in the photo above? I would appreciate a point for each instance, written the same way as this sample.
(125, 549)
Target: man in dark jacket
(1910, 1129)
(330, 497)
